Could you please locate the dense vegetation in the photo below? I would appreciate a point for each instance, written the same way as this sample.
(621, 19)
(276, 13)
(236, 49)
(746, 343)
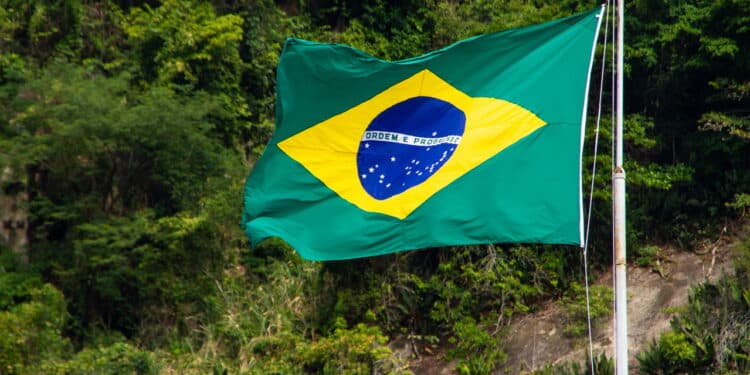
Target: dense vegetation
(131, 125)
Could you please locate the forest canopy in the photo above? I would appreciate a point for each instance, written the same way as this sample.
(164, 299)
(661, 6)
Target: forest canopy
(127, 129)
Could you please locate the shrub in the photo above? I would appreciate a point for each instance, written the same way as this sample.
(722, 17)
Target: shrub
(32, 331)
(477, 351)
(711, 333)
(603, 365)
(574, 303)
(360, 350)
(119, 358)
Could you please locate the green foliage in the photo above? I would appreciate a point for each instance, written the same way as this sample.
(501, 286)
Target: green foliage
(32, 318)
(674, 354)
(386, 29)
(734, 125)
(478, 279)
(267, 329)
(650, 185)
(394, 30)
(16, 281)
(185, 43)
(677, 349)
(105, 163)
(32, 331)
(127, 123)
(13, 72)
(39, 29)
(710, 334)
(476, 350)
(119, 358)
(359, 350)
(602, 365)
(265, 28)
(103, 275)
(698, 121)
(574, 303)
(253, 325)
(465, 295)
(111, 149)
(646, 255)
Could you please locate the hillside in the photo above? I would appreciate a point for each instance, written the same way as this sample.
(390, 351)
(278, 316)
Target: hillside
(537, 340)
(657, 293)
(128, 130)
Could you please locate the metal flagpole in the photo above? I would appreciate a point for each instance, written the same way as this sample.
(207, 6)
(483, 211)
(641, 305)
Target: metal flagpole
(618, 195)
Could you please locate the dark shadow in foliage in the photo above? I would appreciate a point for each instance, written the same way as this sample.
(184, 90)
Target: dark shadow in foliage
(112, 174)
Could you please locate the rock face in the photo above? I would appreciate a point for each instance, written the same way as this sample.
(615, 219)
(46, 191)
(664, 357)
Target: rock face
(13, 215)
(537, 340)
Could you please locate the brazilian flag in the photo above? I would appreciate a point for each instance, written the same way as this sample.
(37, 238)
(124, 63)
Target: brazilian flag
(479, 142)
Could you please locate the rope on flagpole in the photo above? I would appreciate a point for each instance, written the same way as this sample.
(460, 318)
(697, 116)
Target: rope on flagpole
(591, 191)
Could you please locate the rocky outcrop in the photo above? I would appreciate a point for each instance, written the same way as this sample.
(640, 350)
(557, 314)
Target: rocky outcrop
(653, 295)
(13, 214)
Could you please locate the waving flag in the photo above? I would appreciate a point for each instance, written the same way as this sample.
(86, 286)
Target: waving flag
(479, 142)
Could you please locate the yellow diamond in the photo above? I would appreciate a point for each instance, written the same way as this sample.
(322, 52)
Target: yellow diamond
(328, 150)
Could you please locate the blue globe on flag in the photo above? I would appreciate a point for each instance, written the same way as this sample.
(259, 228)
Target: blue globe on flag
(406, 144)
